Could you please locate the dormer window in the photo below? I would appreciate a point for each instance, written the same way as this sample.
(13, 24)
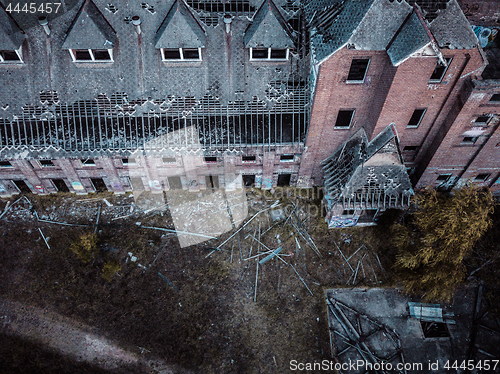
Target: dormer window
(9, 57)
(265, 54)
(181, 54)
(91, 55)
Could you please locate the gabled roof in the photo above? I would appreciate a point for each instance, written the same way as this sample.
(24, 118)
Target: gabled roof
(90, 30)
(180, 29)
(11, 36)
(451, 29)
(268, 29)
(412, 37)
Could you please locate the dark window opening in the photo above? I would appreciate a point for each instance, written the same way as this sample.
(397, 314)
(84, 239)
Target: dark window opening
(10, 56)
(128, 161)
(367, 216)
(191, 54)
(137, 184)
(46, 163)
(358, 70)
(482, 120)
(411, 148)
(82, 55)
(469, 139)
(278, 53)
(249, 180)
(284, 180)
(101, 55)
(88, 162)
(443, 177)
(286, 157)
(5, 164)
(210, 159)
(174, 183)
(169, 160)
(434, 329)
(416, 118)
(171, 54)
(482, 177)
(348, 212)
(60, 185)
(212, 181)
(259, 53)
(495, 98)
(22, 186)
(439, 71)
(99, 185)
(248, 158)
(344, 118)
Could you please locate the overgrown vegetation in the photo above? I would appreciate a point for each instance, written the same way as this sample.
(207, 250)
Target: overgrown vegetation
(85, 247)
(110, 269)
(439, 236)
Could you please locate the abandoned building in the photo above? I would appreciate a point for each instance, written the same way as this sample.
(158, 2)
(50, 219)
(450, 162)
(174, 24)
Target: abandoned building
(191, 94)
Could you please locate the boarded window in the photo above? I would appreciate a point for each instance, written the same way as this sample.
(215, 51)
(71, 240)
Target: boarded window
(344, 118)
(358, 70)
(174, 183)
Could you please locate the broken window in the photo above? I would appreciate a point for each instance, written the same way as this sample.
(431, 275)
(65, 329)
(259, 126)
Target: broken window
(482, 120)
(91, 55)
(11, 56)
(495, 98)
(181, 54)
(469, 140)
(22, 186)
(248, 158)
(286, 158)
(60, 185)
(5, 164)
(87, 162)
(434, 329)
(99, 185)
(249, 180)
(482, 177)
(416, 117)
(344, 118)
(128, 161)
(348, 212)
(358, 70)
(46, 163)
(268, 54)
(439, 71)
(212, 181)
(411, 148)
(284, 180)
(443, 178)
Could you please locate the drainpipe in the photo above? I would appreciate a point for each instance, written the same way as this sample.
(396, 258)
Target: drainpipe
(42, 20)
(136, 21)
(227, 21)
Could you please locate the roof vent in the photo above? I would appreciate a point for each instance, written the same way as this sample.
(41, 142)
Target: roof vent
(42, 20)
(136, 21)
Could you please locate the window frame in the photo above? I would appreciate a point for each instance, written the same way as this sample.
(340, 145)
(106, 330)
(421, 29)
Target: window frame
(269, 55)
(482, 180)
(353, 81)
(126, 161)
(19, 53)
(250, 159)
(443, 180)
(350, 122)
(494, 97)
(6, 165)
(164, 160)
(419, 120)
(416, 148)
(88, 162)
(46, 166)
(448, 61)
(72, 52)
(181, 54)
(469, 142)
(477, 123)
(287, 157)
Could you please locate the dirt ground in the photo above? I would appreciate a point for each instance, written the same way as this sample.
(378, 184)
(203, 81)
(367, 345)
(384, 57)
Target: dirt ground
(196, 309)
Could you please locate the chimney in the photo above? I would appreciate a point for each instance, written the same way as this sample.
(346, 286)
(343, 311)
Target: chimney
(136, 21)
(42, 20)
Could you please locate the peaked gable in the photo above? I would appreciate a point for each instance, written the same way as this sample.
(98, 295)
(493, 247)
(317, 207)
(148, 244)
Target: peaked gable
(90, 30)
(268, 29)
(11, 36)
(180, 29)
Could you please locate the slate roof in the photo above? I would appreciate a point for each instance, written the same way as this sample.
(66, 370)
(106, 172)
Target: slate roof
(412, 37)
(90, 30)
(11, 36)
(180, 29)
(269, 29)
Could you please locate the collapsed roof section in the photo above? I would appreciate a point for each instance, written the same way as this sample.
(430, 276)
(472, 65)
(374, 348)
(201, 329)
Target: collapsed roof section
(11, 36)
(363, 175)
(90, 30)
(269, 29)
(180, 29)
(386, 25)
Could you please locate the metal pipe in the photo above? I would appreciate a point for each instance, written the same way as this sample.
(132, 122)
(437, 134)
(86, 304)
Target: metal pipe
(136, 21)
(42, 20)
(227, 20)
